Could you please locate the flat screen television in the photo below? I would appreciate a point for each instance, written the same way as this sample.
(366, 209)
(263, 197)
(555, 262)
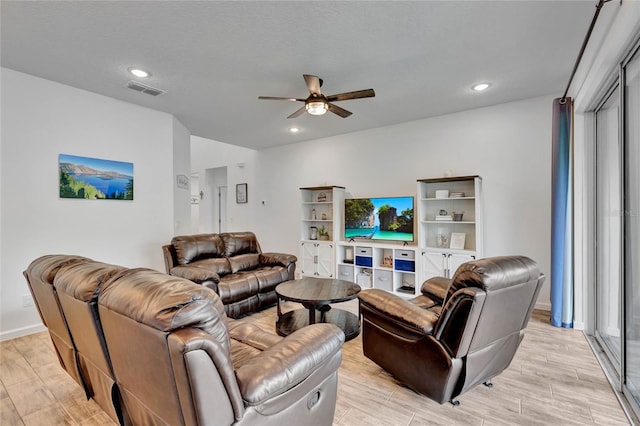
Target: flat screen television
(389, 219)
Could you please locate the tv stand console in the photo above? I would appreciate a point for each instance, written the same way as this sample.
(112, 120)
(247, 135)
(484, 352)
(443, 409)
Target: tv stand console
(390, 267)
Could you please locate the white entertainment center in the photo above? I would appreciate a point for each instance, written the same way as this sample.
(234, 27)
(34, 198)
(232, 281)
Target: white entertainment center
(390, 267)
(447, 228)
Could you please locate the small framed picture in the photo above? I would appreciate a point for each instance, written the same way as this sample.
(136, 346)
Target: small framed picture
(457, 240)
(241, 193)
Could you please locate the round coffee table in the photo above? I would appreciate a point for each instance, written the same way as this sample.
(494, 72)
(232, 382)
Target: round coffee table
(316, 295)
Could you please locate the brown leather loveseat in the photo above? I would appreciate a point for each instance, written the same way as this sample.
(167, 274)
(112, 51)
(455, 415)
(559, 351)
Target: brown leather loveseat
(151, 348)
(233, 265)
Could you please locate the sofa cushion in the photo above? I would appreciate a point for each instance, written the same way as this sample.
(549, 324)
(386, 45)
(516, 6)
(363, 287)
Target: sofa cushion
(247, 341)
(236, 243)
(195, 247)
(219, 265)
(243, 284)
(166, 303)
(244, 262)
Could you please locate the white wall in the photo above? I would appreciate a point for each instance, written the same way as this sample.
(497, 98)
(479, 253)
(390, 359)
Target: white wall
(42, 119)
(508, 145)
(241, 168)
(181, 167)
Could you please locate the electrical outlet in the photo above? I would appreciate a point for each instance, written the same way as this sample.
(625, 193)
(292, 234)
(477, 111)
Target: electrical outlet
(27, 301)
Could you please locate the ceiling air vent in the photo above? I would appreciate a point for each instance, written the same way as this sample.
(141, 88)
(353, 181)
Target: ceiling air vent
(134, 85)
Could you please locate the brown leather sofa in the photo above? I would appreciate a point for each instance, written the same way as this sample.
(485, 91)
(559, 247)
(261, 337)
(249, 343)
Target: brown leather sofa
(233, 265)
(459, 332)
(158, 349)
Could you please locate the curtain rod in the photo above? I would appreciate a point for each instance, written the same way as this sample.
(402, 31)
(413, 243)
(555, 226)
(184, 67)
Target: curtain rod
(584, 46)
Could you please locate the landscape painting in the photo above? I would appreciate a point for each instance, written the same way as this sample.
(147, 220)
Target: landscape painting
(93, 178)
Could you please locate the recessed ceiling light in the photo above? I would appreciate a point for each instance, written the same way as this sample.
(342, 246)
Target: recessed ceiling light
(294, 129)
(139, 73)
(480, 87)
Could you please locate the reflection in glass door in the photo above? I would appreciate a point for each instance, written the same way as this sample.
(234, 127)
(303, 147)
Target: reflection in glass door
(608, 228)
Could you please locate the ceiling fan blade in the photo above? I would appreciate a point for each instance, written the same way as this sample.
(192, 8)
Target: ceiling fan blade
(313, 83)
(368, 93)
(298, 112)
(339, 111)
(276, 98)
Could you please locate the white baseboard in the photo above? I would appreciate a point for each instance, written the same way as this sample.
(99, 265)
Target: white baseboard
(578, 325)
(23, 331)
(543, 306)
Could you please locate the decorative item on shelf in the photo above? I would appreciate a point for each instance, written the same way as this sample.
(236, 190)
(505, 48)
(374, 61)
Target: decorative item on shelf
(322, 197)
(442, 193)
(313, 214)
(457, 217)
(324, 216)
(442, 240)
(443, 215)
(348, 255)
(387, 262)
(313, 232)
(456, 195)
(323, 234)
(457, 240)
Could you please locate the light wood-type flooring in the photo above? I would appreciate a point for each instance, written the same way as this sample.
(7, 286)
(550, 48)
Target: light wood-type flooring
(553, 380)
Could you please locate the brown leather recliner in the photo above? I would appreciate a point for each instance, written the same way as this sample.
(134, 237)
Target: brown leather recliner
(78, 287)
(39, 275)
(178, 360)
(459, 332)
(233, 265)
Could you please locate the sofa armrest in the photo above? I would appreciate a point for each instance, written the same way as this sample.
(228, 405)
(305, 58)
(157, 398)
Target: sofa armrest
(280, 259)
(436, 287)
(398, 310)
(196, 274)
(289, 362)
(168, 253)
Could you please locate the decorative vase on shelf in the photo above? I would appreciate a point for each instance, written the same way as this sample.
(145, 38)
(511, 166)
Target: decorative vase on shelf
(323, 234)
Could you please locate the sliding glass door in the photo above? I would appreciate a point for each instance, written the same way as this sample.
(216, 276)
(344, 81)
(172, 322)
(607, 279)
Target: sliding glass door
(609, 228)
(631, 227)
(617, 230)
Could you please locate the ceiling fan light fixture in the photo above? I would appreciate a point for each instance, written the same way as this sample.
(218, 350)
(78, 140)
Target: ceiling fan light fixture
(317, 107)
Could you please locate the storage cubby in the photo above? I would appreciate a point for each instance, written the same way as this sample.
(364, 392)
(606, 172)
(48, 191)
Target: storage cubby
(382, 266)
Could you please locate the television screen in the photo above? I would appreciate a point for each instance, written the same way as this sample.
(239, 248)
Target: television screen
(379, 218)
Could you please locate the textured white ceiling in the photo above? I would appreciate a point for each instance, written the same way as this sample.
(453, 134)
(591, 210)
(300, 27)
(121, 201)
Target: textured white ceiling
(215, 58)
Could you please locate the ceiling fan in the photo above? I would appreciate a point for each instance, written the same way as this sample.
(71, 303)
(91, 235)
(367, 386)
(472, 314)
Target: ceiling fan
(317, 103)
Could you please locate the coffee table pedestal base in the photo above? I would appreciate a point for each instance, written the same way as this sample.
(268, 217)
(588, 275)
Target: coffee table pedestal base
(294, 320)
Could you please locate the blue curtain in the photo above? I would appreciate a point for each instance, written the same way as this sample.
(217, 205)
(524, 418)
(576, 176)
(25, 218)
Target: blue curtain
(562, 214)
